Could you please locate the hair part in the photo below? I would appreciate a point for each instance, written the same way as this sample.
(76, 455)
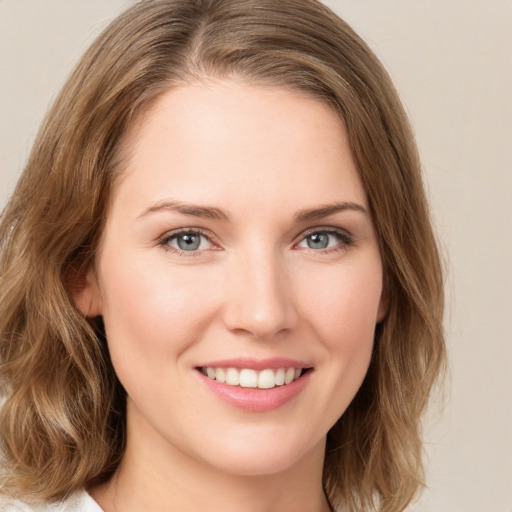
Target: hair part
(62, 425)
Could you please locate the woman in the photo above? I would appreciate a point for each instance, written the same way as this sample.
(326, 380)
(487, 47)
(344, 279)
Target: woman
(220, 287)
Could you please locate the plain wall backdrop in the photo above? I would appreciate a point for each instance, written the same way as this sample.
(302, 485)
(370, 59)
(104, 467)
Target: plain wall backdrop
(451, 61)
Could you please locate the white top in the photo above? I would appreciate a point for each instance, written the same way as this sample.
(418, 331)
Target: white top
(79, 502)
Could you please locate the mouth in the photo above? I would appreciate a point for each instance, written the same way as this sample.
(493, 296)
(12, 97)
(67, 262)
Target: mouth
(255, 385)
(266, 378)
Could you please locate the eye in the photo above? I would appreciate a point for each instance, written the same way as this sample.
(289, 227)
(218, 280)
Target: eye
(325, 239)
(187, 241)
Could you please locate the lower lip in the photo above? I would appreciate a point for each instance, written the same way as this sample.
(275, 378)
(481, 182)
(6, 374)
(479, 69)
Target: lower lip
(254, 399)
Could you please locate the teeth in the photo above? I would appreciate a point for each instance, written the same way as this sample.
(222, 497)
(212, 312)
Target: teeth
(232, 377)
(220, 374)
(289, 375)
(248, 378)
(266, 379)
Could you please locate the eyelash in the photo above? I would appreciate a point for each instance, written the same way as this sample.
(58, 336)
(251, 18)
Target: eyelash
(164, 242)
(345, 240)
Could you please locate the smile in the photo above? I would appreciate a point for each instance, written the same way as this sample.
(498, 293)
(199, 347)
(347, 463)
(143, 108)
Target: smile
(249, 378)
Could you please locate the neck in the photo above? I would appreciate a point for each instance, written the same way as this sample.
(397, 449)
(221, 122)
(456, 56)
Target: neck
(161, 477)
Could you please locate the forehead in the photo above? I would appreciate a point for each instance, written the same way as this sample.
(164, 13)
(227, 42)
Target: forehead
(244, 141)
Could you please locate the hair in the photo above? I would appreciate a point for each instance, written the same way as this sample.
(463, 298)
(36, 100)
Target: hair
(62, 423)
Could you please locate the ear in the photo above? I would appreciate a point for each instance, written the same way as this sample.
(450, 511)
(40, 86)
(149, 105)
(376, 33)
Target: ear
(83, 289)
(383, 306)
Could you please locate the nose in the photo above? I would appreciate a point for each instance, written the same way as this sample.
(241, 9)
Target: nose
(259, 298)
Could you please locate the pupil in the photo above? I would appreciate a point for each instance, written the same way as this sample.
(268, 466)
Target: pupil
(189, 242)
(318, 241)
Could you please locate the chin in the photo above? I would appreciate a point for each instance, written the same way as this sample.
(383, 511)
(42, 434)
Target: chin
(260, 457)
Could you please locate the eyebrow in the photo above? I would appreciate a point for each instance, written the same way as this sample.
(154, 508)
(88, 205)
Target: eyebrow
(211, 212)
(325, 211)
(208, 212)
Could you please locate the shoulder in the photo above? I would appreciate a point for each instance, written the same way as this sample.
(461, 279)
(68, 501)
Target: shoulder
(79, 502)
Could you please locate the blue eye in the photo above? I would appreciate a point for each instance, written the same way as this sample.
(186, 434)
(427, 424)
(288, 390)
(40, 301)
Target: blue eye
(187, 241)
(321, 240)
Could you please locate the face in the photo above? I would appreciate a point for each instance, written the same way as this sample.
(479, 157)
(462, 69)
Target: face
(239, 277)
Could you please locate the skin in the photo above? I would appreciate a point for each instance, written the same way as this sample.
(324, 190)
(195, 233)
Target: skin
(255, 288)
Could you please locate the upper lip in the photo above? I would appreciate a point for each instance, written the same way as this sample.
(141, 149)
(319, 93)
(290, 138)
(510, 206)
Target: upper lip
(256, 364)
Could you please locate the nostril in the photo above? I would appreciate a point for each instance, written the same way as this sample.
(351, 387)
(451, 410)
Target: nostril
(258, 301)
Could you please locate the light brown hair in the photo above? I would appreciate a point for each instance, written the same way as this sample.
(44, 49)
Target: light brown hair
(62, 425)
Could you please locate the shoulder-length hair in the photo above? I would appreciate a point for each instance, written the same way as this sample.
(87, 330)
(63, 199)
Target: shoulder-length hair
(62, 424)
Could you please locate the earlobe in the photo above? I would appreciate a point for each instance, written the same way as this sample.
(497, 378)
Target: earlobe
(383, 306)
(84, 291)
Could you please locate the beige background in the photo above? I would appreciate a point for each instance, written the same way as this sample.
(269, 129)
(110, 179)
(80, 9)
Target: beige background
(452, 63)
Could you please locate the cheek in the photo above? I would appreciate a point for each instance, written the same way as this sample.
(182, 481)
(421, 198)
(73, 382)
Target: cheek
(343, 315)
(339, 314)
(152, 316)
(344, 305)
